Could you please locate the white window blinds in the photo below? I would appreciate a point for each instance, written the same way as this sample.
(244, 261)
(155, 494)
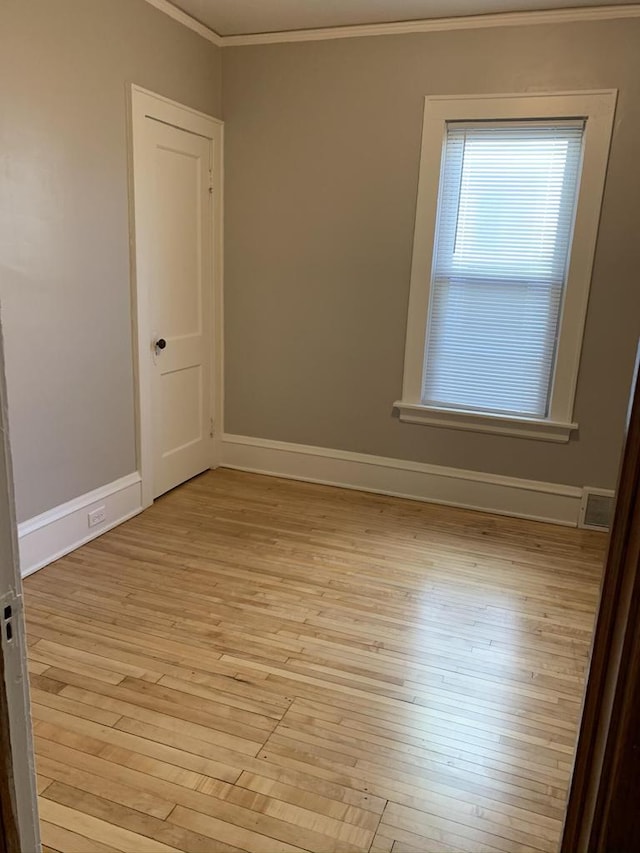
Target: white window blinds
(504, 226)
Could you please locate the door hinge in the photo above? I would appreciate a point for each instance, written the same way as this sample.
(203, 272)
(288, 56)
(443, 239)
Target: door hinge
(210, 427)
(10, 610)
(210, 181)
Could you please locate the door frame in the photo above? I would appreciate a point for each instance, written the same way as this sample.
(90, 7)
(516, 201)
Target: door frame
(146, 104)
(19, 823)
(602, 806)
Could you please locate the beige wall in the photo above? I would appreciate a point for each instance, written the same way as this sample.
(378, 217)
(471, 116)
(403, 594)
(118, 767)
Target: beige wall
(322, 152)
(64, 254)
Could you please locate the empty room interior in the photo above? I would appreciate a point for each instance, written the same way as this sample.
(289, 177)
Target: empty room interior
(320, 322)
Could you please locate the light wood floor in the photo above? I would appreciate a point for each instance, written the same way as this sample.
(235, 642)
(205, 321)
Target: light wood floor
(262, 665)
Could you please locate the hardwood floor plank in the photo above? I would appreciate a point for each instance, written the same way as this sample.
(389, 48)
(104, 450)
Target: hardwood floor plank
(47, 733)
(45, 682)
(175, 737)
(35, 667)
(509, 755)
(218, 830)
(262, 665)
(126, 795)
(380, 844)
(320, 785)
(390, 839)
(188, 758)
(53, 660)
(100, 830)
(42, 782)
(312, 802)
(132, 820)
(69, 842)
(62, 703)
(519, 832)
(137, 772)
(413, 790)
(355, 837)
(101, 661)
(162, 714)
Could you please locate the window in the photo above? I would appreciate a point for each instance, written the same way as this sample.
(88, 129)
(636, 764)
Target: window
(506, 223)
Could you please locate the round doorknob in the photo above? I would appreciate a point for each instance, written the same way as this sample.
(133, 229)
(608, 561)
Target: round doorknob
(161, 343)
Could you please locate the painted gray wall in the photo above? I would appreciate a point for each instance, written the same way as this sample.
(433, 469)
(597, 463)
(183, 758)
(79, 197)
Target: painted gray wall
(64, 238)
(322, 155)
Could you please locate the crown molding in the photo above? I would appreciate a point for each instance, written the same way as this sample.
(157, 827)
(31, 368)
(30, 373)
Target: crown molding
(432, 25)
(186, 20)
(471, 22)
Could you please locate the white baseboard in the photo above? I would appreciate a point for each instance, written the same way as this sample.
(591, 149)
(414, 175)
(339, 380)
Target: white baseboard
(60, 530)
(64, 528)
(415, 480)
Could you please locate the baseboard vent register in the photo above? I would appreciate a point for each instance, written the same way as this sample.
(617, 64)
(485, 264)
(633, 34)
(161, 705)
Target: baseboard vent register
(596, 512)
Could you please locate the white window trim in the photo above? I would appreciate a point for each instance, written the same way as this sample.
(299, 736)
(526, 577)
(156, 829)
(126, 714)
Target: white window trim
(597, 108)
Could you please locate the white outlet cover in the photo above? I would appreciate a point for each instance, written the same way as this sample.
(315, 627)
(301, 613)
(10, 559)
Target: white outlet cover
(97, 516)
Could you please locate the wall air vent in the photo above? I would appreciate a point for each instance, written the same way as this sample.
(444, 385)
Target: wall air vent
(596, 509)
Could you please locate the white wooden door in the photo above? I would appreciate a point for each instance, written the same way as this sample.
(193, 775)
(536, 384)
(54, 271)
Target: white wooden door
(179, 243)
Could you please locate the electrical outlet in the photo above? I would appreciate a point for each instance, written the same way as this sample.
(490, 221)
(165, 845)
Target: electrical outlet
(97, 516)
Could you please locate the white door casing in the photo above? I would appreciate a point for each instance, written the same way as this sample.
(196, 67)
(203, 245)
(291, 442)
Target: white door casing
(13, 641)
(177, 208)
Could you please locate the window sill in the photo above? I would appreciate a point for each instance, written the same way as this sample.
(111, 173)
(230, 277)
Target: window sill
(535, 428)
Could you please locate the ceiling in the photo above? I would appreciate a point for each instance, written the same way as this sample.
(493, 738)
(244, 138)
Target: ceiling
(240, 17)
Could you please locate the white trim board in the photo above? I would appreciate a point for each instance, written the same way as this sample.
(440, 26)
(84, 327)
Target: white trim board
(60, 530)
(493, 493)
(467, 22)
(186, 20)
